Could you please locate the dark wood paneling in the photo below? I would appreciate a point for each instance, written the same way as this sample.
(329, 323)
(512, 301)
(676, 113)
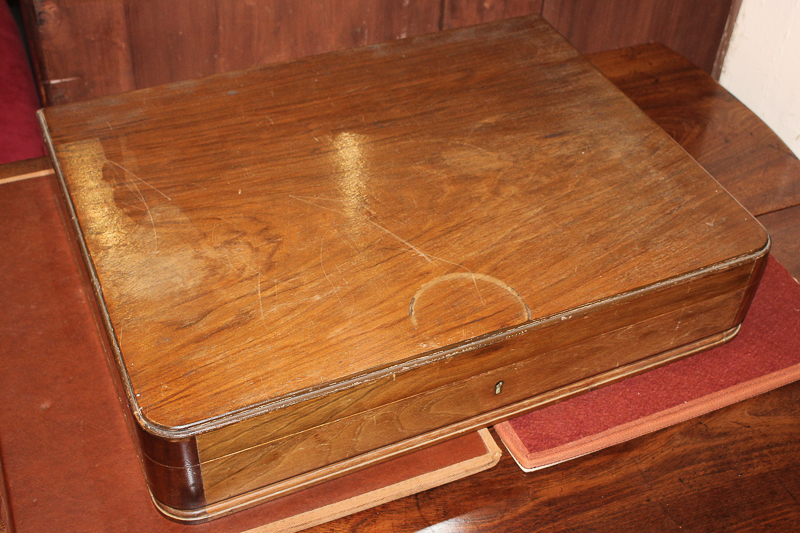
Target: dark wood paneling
(85, 49)
(694, 28)
(172, 40)
(182, 39)
(458, 13)
(89, 48)
(255, 33)
(80, 48)
(722, 50)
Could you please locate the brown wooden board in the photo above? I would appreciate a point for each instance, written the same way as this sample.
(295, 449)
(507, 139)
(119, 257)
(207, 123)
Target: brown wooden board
(314, 267)
(80, 49)
(140, 43)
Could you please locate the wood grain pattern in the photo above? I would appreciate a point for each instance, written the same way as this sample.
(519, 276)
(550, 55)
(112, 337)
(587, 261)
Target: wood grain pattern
(693, 28)
(257, 33)
(407, 485)
(549, 346)
(65, 33)
(171, 40)
(346, 155)
(142, 43)
(709, 123)
(722, 50)
(451, 410)
(269, 237)
(459, 13)
(734, 469)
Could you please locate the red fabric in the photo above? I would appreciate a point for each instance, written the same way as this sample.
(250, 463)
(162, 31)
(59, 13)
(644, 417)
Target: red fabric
(764, 355)
(20, 137)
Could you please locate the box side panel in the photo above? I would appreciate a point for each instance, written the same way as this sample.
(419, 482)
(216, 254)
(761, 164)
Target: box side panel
(752, 285)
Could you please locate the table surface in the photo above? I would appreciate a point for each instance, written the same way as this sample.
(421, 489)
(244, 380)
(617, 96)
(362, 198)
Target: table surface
(734, 469)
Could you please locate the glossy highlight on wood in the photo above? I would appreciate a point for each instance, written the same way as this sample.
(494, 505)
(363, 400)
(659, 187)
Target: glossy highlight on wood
(368, 231)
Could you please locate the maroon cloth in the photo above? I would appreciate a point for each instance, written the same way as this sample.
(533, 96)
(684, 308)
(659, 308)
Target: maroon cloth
(765, 355)
(20, 137)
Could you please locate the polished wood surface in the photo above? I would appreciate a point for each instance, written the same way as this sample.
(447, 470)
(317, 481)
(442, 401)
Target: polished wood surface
(474, 202)
(732, 470)
(66, 462)
(709, 123)
(141, 43)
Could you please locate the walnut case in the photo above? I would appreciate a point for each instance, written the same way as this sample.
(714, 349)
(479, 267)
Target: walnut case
(309, 268)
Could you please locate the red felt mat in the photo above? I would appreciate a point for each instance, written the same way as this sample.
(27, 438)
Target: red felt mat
(20, 137)
(765, 355)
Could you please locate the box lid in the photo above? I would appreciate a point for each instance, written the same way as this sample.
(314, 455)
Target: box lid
(263, 235)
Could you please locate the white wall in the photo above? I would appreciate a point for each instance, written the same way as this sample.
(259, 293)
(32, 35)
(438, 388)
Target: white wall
(762, 66)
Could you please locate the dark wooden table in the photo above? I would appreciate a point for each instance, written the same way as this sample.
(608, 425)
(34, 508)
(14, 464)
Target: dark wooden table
(734, 469)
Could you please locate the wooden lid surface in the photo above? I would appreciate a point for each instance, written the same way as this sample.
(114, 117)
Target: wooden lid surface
(266, 233)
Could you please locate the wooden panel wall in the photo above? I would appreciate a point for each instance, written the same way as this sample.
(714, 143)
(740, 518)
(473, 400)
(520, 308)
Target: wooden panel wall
(88, 48)
(693, 28)
(220, 36)
(80, 48)
(458, 13)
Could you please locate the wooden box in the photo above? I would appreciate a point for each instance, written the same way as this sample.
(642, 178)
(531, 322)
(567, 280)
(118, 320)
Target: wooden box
(310, 268)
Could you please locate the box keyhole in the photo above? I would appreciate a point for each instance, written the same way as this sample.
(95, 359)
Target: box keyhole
(498, 387)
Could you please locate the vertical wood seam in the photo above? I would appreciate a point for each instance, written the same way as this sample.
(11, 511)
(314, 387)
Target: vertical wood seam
(725, 41)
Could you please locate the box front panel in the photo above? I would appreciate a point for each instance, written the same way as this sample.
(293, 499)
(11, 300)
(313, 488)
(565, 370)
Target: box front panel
(403, 382)
(539, 373)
